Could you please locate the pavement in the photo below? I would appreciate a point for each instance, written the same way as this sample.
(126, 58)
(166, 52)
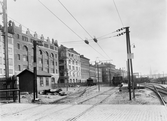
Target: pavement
(56, 112)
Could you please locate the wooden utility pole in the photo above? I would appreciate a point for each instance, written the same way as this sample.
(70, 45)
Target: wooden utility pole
(128, 65)
(5, 35)
(98, 77)
(35, 70)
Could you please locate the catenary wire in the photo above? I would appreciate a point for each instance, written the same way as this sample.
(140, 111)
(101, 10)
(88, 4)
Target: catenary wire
(66, 25)
(118, 12)
(81, 25)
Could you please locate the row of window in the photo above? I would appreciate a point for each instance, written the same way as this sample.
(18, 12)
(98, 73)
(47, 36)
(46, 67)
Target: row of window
(2, 71)
(52, 70)
(73, 56)
(10, 50)
(40, 51)
(2, 61)
(42, 81)
(10, 40)
(24, 38)
(73, 74)
(73, 68)
(73, 80)
(73, 62)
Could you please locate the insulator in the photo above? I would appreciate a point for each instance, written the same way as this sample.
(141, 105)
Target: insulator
(86, 41)
(95, 40)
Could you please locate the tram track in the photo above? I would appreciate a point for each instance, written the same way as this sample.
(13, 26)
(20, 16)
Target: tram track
(94, 105)
(159, 91)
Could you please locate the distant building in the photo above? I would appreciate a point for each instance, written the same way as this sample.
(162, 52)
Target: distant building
(85, 73)
(95, 73)
(108, 71)
(10, 55)
(47, 55)
(69, 65)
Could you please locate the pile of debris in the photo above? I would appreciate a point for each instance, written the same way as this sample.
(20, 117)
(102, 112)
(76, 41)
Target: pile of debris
(53, 92)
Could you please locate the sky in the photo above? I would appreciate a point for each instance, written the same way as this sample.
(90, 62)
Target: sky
(100, 18)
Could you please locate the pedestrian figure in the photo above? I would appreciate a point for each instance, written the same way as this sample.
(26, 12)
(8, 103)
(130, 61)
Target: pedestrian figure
(120, 87)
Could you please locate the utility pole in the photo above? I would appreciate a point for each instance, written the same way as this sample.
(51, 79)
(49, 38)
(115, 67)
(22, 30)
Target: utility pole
(35, 70)
(98, 77)
(130, 61)
(5, 35)
(131, 66)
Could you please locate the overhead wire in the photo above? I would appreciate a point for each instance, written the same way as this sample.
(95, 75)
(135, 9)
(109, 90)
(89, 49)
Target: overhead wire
(118, 12)
(66, 24)
(81, 26)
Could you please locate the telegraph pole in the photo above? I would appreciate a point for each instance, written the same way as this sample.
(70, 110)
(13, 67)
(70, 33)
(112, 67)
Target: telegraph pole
(98, 77)
(35, 70)
(128, 65)
(131, 66)
(5, 35)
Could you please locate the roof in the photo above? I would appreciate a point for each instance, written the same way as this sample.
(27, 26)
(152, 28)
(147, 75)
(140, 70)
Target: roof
(39, 73)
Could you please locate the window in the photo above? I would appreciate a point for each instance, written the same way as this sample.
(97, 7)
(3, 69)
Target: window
(51, 55)
(10, 61)
(18, 56)
(47, 81)
(40, 52)
(24, 38)
(18, 46)
(41, 81)
(56, 63)
(52, 47)
(73, 68)
(69, 61)
(18, 36)
(69, 67)
(56, 71)
(19, 67)
(72, 62)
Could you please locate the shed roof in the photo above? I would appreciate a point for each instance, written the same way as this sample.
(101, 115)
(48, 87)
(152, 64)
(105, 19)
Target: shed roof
(39, 73)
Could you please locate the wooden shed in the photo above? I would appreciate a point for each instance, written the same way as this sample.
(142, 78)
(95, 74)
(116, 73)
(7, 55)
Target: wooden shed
(26, 81)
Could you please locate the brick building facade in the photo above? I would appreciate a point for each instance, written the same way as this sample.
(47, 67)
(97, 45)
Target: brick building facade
(47, 55)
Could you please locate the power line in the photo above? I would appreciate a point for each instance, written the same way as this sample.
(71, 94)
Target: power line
(118, 12)
(66, 24)
(81, 26)
(60, 20)
(74, 18)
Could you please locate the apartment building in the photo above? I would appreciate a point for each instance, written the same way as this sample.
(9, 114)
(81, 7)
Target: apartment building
(47, 56)
(85, 73)
(69, 65)
(10, 55)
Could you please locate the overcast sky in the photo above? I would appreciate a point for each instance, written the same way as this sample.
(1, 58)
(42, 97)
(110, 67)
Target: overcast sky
(146, 19)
